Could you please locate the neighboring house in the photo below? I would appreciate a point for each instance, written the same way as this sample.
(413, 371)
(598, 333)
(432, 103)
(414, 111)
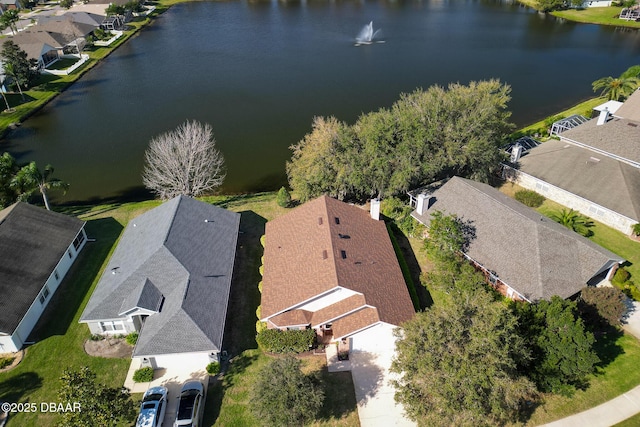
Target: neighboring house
(169, 279)
(43, 46)
(112, 23)
(331, 266)
(525, 255)
(9, 5)
(594, 168)
(597, 3)
(37, 248)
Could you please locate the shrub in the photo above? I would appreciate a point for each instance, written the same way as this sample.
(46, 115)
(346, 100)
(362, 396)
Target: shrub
(143, 375)
(260, 286)
(260, 326)
(283, 395)
(602, 306)
(132, 338)
(6, 361)
(213, 368)
(621, 277)
(277, 341)
(283, 199)
(400, 213)
(529, 198)
(96, 337)
(636, 229)
(262, 240)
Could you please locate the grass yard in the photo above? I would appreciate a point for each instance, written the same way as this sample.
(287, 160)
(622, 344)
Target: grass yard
(60, 338)
(630, 422)
(619, 376)
(230, 398)
(597, 15)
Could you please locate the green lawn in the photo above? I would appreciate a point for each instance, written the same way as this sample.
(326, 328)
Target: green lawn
(619, 376)
(229, 405)
(630, 422)
(597, 15)
(583, 108)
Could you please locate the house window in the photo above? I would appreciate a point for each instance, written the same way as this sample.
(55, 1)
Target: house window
(43, 295)
(540, 186)
(56, 275)
(112, 326)
(79, 240)
(69, 253)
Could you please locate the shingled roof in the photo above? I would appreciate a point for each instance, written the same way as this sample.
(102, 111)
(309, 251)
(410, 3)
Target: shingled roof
(175, 261)
(534, 255)
(326, 244)
(601, 179)
(32, 242)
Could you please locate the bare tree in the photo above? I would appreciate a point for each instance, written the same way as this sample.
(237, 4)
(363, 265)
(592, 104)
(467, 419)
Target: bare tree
(184, 161)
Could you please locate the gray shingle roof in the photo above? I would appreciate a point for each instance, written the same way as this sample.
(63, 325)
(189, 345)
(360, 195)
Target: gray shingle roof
(32, 242)
(630, 109)
(600, 179)
(188, 261)
(531, 253)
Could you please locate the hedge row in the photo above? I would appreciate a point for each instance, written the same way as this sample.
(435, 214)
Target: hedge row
(277, 341)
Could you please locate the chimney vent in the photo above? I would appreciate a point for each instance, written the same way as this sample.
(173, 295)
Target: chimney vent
(424, 200)
(516, 153)
(604, 115)
(375, 209)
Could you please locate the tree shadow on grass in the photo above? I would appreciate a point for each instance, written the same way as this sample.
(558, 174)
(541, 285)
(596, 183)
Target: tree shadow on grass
(16, 387)
(67, 300)
(340, 398)
(414, 267)
(244, 298)
(606, 345)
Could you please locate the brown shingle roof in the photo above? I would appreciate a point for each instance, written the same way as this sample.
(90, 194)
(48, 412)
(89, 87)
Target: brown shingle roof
(290, 318)
(354, 322)
(309, 253)
(336, 310)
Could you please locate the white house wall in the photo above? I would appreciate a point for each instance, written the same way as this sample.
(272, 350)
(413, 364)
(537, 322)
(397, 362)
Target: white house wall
(570, 200)
(36, 309)
(327, 300)
(195, 361)
(8, 344)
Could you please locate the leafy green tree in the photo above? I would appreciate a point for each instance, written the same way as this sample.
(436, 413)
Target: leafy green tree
(458, 365)
(284, 396)
(317, 164)
(114, 9)
(30, 179)
(616, 88)
(633, 71)
(66, 3)
(446, 236)
(551, 5)
(100, 406)
(22, 67)
(283, 199)
(8, 19)
(602, 306)
(10, 69)
(8, 169)
(425, 135)
(573, 221)
(561, 348)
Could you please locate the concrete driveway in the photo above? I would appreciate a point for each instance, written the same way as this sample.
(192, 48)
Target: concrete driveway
(371, 352)
(172, 377)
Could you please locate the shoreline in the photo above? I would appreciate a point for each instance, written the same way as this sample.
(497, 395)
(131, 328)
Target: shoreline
(606, 16)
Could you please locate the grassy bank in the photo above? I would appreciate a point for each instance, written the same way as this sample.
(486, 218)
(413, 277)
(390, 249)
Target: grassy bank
(541, 127)
(593, 15)
(47, 87)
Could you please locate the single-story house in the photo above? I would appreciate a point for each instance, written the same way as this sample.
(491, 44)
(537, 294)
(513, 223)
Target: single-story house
(43, 46)
(9, 5)
(594, 168)
(37, 248)
(525, 255)
(331, 266)
(169, 279)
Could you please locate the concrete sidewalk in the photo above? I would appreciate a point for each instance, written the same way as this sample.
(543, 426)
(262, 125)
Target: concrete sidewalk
(605, 415)
(618, 409)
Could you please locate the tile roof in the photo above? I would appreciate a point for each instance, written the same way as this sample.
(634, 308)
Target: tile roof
(534, 255)
(32, 242)
(600, 179)
(188, 260)
(327, 244)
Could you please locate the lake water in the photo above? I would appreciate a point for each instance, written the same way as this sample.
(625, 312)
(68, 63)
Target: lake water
(259, 71)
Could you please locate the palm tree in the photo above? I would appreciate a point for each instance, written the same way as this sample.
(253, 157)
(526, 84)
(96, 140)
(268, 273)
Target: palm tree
(29, 179)
(616, 88)
(8, 169)
(573, 221)
(8, 20)
(10, 69)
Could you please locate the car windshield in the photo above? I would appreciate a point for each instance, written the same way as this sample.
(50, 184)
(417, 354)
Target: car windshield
(187, 400)
(152, 397)
(148, 406)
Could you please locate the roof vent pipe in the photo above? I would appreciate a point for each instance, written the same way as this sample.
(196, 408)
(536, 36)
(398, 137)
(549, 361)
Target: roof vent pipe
(604, 115)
